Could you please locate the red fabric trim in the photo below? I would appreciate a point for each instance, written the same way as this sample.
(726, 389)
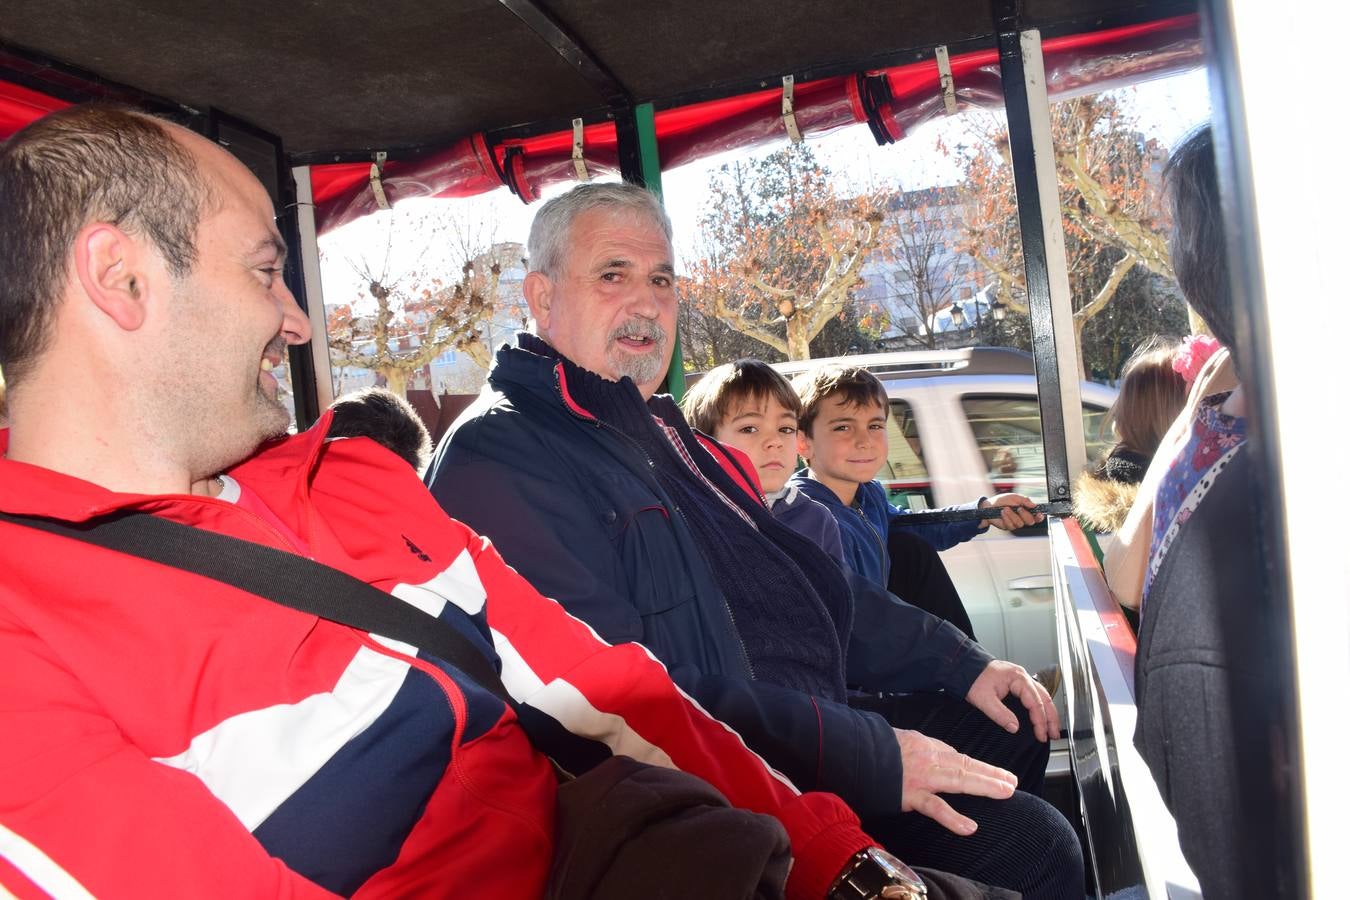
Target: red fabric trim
(820, 742)
(573, 405)
(855, 100)
(19, 106)
(737, 464)
(17, 882)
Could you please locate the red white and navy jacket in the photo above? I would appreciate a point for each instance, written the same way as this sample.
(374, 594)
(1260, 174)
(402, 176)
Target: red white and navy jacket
(165, 735)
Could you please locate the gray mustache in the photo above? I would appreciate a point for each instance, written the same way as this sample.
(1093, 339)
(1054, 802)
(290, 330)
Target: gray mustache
(639, 328)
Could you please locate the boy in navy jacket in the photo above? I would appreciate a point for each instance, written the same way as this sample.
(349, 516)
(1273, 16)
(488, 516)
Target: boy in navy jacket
(842, 435)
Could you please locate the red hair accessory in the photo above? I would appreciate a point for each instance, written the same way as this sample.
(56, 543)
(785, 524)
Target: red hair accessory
(1191, 356)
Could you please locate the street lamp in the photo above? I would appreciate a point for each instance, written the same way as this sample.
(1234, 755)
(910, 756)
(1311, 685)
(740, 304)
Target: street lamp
(958, 315)
(999, 309)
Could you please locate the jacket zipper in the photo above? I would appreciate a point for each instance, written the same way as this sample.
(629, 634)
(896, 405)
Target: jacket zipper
(872, 531)
(651, 464)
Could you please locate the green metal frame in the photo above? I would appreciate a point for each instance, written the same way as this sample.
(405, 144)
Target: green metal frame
(650, 157)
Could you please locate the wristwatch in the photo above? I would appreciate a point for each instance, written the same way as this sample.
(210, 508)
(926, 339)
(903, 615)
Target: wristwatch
(873, 873)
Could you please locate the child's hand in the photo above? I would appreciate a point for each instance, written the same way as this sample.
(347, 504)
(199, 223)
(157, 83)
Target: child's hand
(1016, 512)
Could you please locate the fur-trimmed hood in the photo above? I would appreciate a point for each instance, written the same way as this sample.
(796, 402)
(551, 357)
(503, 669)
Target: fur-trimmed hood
(1102, 504)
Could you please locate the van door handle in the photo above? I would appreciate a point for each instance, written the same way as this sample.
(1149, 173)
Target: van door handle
(1028, 583)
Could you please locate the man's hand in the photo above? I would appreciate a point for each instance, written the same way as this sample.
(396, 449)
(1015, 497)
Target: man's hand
(932, 768)
(1016, 512)
(998, 680)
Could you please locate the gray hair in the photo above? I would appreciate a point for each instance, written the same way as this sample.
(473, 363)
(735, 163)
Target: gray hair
(552, 225)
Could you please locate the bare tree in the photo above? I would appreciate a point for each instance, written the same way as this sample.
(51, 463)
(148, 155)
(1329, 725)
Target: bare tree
(922, 277)
(409, 310)
(783, 252)
(1114, 219)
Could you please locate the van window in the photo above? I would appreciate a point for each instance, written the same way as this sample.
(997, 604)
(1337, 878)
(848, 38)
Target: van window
(905, 475)
(1008, 432)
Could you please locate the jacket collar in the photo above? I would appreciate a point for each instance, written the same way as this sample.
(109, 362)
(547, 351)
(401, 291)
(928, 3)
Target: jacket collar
(535, 365)
(814, 489)
(33, 490)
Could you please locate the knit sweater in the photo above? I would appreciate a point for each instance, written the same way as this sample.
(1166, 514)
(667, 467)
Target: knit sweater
(792, 643)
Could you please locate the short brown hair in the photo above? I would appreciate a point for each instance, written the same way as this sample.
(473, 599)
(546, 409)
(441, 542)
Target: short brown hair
(710, 401)
(88, 163)
(1151, 396)
(859, 387)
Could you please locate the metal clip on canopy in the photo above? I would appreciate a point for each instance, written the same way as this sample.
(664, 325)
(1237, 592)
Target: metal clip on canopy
(578, 157)
(377, 180)
(948, 83)
(789, 115)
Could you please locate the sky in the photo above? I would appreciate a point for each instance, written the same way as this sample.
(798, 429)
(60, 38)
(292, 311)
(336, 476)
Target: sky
(1167, 109)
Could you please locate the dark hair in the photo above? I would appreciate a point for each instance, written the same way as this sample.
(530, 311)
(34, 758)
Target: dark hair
(710, 401)
(1199, 252)
(89, 163)
(859, 387)
(385, 418)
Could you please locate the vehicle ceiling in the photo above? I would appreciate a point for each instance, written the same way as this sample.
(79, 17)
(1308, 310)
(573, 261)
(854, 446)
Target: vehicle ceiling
(336, 75)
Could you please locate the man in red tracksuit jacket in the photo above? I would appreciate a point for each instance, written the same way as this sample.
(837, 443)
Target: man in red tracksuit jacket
(166, 735)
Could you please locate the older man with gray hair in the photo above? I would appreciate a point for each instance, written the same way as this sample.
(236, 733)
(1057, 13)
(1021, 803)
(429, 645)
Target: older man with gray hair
(595, 488)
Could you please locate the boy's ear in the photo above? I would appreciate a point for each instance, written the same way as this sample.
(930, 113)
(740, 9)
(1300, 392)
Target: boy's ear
(804, 445)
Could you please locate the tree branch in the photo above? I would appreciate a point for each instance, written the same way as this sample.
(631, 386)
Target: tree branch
(1107, 290)
(746, 326)
(758, 283)
(1147, 245)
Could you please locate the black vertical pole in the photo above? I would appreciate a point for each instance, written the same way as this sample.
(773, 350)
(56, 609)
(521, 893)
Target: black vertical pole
(1006, 20)
(262, 152)
(630, 146)
(304, 387)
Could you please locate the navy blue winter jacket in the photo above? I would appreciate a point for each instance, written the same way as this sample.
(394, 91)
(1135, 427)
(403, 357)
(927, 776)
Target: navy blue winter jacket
(571, 503)
(864, 527)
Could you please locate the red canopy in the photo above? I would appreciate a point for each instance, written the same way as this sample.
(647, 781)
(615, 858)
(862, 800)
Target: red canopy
(892, 101)
(19, 106)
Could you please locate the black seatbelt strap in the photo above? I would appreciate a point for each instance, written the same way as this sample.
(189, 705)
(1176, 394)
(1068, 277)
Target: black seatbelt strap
(281, 577)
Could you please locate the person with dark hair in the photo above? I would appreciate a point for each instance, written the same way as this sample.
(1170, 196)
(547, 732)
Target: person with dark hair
(155, 194)
(386, 418)
(1204, 558)
(844, 441)
(595, 487)
(750, 407)
(1197, 244)
(169, 733)
(1200, 259)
